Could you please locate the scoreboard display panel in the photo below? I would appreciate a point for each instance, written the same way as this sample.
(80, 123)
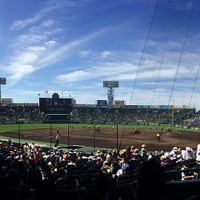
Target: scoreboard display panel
(55, 106)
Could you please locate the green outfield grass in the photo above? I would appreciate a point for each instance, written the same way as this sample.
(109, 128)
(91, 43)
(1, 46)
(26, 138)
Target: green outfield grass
(15, 127)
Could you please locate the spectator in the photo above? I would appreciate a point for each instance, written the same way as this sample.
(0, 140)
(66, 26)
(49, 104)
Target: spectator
(127, 154)
(46, 190)
(125, 175)
(188, 154)
(185, 173)
(151, 181)
(102, 187)
(34, 175)
(143, 152)
(5, 188)
(197, 167)
(61, 180)
(25, 192)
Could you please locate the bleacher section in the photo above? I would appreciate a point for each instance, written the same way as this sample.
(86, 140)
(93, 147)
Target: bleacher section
(30, 113)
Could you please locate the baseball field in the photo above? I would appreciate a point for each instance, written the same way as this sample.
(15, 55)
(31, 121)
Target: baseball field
(156, 138)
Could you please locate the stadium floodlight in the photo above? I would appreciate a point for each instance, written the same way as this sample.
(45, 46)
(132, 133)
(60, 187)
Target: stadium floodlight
(112, 84)
(110, 93)
(2, 82)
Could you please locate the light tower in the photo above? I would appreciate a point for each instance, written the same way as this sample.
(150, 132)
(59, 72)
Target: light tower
(2, 82)
(110, 91)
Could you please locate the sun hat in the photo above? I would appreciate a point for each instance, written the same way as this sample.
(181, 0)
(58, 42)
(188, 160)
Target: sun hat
(188, 149)
(143, 145)
(122, 152)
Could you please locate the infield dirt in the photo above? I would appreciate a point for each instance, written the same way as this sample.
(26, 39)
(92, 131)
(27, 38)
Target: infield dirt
(112, 138)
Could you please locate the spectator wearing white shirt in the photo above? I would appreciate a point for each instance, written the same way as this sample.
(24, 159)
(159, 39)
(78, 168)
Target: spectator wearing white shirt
(188, 154)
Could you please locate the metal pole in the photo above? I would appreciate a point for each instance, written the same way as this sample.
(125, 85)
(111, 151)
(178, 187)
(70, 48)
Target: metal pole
(94, 139)
(50, 137)
(19, 134)
(68, 136)
(117, 139)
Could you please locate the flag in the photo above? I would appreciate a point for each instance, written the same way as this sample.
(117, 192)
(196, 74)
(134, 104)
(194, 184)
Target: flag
(46, 91)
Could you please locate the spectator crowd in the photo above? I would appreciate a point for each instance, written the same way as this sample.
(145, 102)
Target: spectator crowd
(94, 114)
(29, 171)
(34, 172)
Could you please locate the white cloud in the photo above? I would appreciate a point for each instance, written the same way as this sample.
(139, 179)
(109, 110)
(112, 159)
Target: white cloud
(59, 53)
(105, 54)
(48, 23)
(74, 76)
(29, 39)
(124, 71)
(20, 24)
(109, 70)
(22, 64)
(85, 53)
(17, 71)
(50, 43)
(36, 49)
(26, 57)
(49, 7)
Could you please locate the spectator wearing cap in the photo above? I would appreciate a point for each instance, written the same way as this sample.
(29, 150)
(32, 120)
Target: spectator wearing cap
(188, 154)
(136, 154)
(173, 151)
(132, 151)
(127, 154)
(143, 151)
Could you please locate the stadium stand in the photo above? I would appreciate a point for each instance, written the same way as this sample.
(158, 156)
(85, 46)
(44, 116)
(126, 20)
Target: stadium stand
(81, 175)
(31, 113)
(78, 175)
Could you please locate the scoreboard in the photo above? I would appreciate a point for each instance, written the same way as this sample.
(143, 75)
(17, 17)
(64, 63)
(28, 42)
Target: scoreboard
(55, 105)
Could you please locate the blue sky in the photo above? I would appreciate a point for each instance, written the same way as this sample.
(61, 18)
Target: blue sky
(71, 46)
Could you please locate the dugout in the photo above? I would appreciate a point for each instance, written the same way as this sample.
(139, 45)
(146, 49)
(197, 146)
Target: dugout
(57, 118)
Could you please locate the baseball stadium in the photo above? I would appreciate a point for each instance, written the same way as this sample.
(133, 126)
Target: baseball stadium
(106, 124)
(57, 149)
(84, 141)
